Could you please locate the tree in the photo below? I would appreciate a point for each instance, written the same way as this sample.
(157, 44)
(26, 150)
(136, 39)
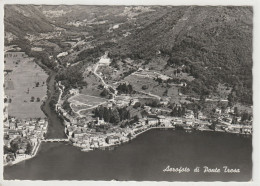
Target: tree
(7, 150)
(115, 118)
(106, 115)
(144, 87)
(231, 98)
(234, 120)
(159, 80)
(104, 93)
(165, 92)
(32, 99)
(236, 111)
(135, 118)
(137, 104)
(38, 100)
(14, 147)
(28, 149)
(245, 116)
(174, 111)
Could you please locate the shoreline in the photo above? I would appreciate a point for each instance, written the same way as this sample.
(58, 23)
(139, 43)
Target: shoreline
(52, 74)
(27, 157)
(36, 149)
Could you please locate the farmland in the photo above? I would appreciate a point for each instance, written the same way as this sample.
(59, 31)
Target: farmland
(25, 87)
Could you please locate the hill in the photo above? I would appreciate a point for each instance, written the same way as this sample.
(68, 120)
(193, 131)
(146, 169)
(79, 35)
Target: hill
(215, 42)
(25, 19)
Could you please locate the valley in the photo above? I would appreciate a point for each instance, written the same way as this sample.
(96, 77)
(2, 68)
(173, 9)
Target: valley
(116, 72)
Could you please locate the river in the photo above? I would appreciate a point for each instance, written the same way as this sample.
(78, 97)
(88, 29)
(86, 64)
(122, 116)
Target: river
(55, 126)
(144, 158)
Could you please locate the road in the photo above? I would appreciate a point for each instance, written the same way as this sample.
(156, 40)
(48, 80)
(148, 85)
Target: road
(150, 94)
(106, 86)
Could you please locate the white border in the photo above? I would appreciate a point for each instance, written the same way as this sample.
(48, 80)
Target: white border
(256, 84)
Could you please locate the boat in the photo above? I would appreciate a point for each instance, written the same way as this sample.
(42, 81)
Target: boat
(86, 149)
(111, 148)
(188, 129)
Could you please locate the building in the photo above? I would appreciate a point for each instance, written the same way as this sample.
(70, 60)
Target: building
(189, 114)
(218, 111)
(74, 91)
(147, 108)
(12, 126)
(161, 118)
(189, 122)
(201, 116)
(112, 139)
(227, 110)
(100, 122)
(152, 121)
(177, 121)
(227, 119)
(142, 121)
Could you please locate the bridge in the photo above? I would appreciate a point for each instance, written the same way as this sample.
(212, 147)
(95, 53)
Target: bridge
(55, 140)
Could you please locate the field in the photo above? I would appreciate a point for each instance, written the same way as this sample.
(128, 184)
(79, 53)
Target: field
(84, 102)
(20, 87)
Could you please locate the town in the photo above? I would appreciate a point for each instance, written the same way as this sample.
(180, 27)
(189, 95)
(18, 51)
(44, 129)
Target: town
(93, 122)
(124, 116)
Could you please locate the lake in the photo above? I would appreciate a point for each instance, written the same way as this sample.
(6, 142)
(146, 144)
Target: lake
(144, 158)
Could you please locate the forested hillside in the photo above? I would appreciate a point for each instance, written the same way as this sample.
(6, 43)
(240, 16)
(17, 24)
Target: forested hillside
(25, 19)
(215, 42)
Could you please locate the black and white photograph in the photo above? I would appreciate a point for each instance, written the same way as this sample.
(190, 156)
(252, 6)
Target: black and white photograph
(128, 92)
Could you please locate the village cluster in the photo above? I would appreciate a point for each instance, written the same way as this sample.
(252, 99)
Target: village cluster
(89, 134)
(24, 123)
(93, 132)
(23, 134)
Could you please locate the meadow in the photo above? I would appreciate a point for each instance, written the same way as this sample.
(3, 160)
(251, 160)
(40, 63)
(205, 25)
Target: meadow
(25, 87)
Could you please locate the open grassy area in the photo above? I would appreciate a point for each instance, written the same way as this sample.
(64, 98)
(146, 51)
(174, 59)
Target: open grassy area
(81, 101)
(93, 83)
(20, 87)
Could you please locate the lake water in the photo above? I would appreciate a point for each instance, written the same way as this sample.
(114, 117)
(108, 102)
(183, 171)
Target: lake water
(144, 158)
